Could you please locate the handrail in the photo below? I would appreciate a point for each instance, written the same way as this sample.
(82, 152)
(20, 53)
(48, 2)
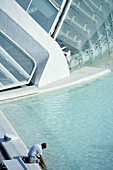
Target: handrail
(13, 62)
(8, 74)
(16, 45)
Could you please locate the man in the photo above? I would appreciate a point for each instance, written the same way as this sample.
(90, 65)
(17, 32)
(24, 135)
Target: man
(35, 154)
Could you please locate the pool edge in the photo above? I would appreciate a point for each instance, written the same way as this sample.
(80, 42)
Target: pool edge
(78, 77)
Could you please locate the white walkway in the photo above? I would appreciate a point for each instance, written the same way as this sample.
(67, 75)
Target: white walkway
(79, 76)
(14, 148)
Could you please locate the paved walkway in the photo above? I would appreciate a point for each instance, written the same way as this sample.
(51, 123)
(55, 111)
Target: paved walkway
(15, 148)
(76, 78)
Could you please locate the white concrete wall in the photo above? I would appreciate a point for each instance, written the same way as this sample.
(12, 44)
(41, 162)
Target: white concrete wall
(56, 67)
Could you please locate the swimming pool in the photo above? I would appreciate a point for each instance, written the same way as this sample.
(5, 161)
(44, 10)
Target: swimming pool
(76, 123)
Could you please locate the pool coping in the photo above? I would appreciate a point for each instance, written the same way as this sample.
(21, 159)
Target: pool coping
(78, 77)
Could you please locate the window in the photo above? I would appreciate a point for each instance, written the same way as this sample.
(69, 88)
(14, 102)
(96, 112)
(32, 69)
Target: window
(16, 66)
(43, 12)
(23, 3)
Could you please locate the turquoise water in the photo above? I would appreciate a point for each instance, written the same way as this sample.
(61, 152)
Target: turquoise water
(76, 123)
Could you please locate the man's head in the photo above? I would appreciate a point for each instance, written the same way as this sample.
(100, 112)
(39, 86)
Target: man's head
(44, 145)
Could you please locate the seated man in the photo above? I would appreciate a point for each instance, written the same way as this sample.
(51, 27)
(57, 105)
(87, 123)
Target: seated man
(35, 154)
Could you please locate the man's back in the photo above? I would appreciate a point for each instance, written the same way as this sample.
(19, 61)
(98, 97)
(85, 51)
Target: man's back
(35, 150)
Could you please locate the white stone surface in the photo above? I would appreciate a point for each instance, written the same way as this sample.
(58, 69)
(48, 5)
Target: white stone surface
(17, 93)
(79, 76)
(13, 164)
(10, 136)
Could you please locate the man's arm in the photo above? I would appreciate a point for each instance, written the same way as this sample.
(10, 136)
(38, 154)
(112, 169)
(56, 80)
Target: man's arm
(42, 160)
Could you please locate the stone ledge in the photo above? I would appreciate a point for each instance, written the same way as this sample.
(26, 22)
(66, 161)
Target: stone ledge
(15, 149)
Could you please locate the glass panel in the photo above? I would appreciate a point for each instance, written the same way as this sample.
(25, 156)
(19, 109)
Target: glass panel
(4, 79)
(43, 12)
(25, 62)
(23, 3)
(59, 2)
(11, 68)
(94, 38)
(87, 27)
(20, 57)
(5, 43)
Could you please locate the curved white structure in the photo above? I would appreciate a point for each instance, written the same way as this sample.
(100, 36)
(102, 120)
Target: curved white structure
(22, 29)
